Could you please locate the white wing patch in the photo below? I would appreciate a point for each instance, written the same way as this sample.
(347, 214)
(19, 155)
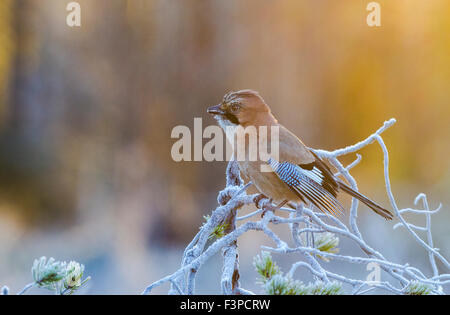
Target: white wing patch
(315, 174)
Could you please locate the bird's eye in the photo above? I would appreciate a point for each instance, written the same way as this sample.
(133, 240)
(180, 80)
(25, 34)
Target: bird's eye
(234, 108)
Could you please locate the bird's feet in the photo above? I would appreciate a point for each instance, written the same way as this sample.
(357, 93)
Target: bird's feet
(258, 199)
(263, 202)
(267, 206)
(271, 207)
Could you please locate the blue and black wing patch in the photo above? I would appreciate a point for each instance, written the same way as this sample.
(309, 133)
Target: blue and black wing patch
(310, 182)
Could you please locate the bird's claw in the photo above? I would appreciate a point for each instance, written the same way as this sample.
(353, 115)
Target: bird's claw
(258, 199)
(267, 206)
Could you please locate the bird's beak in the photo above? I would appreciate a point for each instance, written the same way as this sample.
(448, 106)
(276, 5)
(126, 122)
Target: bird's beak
(215, 110)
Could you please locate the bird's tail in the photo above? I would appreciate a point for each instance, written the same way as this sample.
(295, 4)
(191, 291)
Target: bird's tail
(372, 205)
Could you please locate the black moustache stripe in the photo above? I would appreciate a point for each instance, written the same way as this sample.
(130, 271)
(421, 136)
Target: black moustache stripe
(231, 118)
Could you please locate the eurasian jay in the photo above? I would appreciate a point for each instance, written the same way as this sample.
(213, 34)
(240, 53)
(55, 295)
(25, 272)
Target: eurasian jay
(298, 175)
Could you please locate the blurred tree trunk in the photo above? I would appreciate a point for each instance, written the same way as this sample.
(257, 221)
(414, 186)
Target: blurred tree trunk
(6, 54)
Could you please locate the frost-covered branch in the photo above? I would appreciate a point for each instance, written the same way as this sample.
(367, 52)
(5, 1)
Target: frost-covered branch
(315, 237)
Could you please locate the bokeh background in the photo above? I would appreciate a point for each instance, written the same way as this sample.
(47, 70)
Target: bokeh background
(86, 115)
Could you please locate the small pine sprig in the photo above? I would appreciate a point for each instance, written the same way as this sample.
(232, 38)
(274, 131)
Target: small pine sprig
(327, 243)
(275, 283)
(282, 285)
(58, 276)
(322, 288)
(74, 277)
(265, 266)
(418, 288)
(48, 273)
(219, 230)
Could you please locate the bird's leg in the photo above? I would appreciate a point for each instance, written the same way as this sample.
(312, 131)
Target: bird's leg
(266, 206)
(270, 207)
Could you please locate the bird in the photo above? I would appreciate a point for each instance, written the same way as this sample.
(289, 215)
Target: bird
(298, 175)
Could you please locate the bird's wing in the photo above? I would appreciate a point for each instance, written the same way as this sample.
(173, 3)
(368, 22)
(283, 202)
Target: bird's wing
(294, 151)
(309, 177)
(307, 184)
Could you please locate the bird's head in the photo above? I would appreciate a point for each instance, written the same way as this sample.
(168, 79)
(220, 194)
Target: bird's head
(245, 108)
